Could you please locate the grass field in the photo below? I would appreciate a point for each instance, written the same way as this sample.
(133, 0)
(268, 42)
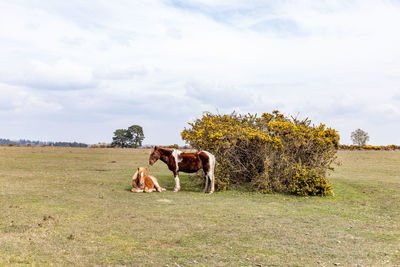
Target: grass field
(72, 206)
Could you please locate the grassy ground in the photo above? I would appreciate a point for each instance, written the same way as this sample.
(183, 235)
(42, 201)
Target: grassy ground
(63, 206)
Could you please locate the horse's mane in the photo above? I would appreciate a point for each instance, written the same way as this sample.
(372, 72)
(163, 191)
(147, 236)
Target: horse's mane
(167, 149)
(134, 177)
(164, 148)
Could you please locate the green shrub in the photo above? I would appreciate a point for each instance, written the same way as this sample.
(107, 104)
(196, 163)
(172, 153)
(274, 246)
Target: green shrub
(368, 147)
(306, 182)
(262, 151)
(175, 146)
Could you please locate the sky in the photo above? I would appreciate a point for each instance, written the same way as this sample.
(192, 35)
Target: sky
(79, 70)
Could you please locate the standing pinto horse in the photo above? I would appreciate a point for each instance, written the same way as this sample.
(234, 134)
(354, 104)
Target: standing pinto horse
(186, 162)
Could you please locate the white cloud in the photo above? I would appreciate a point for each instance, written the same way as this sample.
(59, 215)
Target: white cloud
(218, 96)
(64, 74)
(162, 63)
(17, 101)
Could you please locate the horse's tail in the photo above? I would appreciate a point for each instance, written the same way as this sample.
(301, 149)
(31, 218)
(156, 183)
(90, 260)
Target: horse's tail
(212, 164)
(211, 174)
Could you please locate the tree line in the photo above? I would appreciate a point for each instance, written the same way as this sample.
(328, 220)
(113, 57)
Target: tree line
(24, 142)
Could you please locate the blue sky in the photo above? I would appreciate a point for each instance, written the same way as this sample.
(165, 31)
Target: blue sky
(78, 70)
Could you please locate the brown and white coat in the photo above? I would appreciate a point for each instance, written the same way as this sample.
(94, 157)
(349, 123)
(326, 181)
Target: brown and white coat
(186, 162)
(142, 182)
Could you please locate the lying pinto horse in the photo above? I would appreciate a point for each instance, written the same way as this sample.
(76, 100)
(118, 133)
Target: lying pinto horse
(142, 182)
(186, 162)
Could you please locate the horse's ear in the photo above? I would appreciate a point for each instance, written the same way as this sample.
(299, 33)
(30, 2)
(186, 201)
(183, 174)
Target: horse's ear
(155, 147)
(138, 168)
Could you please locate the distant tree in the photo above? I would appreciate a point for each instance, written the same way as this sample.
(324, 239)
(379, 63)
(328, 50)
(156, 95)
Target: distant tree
(131, 137)
(359, 137)
(120, 138)
(135, 132)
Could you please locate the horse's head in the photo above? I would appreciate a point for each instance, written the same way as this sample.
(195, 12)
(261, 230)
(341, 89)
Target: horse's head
(140, 176)
(154, 155)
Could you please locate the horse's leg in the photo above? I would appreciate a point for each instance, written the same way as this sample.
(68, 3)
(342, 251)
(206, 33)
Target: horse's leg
(209, 178)
(156, 185)
(210, 175)
(136, 190)
(177, 183)
(135, 187)
(206, 186)
(212, 181)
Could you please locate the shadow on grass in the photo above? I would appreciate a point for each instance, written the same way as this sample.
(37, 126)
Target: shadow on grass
(171, 189)
(189, 183)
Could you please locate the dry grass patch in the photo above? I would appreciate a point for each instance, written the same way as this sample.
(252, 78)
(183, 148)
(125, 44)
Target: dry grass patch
(66, 206)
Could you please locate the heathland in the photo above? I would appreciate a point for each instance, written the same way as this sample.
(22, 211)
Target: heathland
(73, 206)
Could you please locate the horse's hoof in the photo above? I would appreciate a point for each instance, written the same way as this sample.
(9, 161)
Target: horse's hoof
(211, 192)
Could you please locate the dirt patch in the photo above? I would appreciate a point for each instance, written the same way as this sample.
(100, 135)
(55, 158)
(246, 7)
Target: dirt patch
(164, 200)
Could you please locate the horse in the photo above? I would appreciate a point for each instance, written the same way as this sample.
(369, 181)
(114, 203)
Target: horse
(141, 182)
(186, 162)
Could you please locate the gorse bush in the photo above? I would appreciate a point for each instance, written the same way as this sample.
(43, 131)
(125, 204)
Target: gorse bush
(368, 147)
(309, 182)
(265, 152)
